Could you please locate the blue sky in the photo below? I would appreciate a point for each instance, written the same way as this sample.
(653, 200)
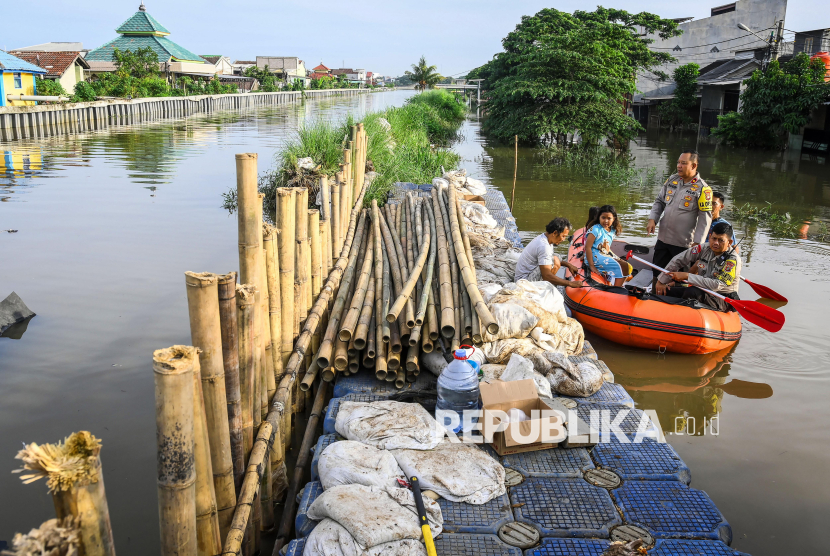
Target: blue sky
(384, 36)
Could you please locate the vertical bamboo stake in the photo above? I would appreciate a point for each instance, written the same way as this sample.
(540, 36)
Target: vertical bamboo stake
(515, 172)
(301, 268)
(336, 215)
(286, 213)
(206, 335)
(208, 540)
(245, 297)
(226, 286)
(272, 278)
(345, 207)
(250, 215)
(316, 253)
(176, 473)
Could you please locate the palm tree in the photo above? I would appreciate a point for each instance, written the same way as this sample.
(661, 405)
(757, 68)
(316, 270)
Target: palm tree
(423, 75)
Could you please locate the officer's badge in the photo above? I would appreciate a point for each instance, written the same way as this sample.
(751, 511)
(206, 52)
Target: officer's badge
(704, 202)
(686, 204)
(674, 182)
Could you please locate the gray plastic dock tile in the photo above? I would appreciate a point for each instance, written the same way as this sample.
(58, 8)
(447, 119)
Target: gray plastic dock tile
(302, 524)
(647, 460)
(672, 547)
(334, 406)
(463, 544)
(460, 517)
(569, 547)
(554, 463)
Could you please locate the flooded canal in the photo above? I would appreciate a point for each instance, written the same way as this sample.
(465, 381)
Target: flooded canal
(109, 222)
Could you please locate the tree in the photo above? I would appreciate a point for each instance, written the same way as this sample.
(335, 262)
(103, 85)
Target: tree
(565, 73)
(776, 102)
(140, 63)
(676, 111)
(424, 76)
(50, 88)
(268, 82)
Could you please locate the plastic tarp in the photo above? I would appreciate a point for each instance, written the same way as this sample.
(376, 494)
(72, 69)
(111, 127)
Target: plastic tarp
(455, 471)
(374, 515)
(388, 425)
(478, 214)
(329, 538)
(348, 462)
(584, 380)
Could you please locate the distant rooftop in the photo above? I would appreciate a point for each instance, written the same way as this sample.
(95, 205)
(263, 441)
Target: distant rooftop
(13, 63)
(55, 63)
(142, 23)
(53, 47)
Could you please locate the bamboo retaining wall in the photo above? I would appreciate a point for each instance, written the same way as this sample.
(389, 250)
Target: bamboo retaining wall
(34, 122)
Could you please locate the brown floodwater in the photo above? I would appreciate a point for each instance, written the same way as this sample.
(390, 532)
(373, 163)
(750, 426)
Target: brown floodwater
(109, 222)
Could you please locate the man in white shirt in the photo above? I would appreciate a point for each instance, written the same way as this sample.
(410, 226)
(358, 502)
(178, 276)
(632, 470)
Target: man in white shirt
(538, 262)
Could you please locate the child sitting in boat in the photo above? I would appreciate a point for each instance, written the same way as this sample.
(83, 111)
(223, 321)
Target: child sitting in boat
(715, 267)
(602, 230)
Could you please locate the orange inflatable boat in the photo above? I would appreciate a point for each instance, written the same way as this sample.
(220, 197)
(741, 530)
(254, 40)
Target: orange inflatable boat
(630, 316)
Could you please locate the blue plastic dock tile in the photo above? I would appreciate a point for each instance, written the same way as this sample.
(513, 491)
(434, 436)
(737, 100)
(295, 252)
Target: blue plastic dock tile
(463, 544)
(557, 462)
(609, 392)
(334, 406)
(564, 507)
(460, 517)
(629, 422)
(647, 460)
(295, 548)
(322, 443)
(672, 547)
(672, 510)
(364, 382)
(302, 524)
(569, 547)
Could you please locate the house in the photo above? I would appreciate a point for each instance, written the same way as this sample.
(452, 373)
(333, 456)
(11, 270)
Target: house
(55, 47)
(720, 88)
(352, 75)
(142, 30)
(811, 42)
(320, 72)
(223, 64)
(240, 66)
(17, 77)
(287, 68)
(66, 67)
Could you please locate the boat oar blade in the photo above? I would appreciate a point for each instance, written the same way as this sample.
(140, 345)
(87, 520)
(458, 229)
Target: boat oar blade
(767, 318)
(764, 291)
(747, 390)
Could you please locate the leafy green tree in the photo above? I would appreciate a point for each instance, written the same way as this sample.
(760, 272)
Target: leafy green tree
(140, 63)
(776, 102)
(676, 112)
(84, 92)
(424, 76)
(564, 73)
(268, 82)
(50, 88)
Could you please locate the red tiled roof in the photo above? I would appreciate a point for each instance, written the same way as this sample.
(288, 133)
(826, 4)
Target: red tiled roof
(319, 75)
(322, 68)
(55, 63)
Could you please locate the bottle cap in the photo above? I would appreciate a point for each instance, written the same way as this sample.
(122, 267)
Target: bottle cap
(460, 354)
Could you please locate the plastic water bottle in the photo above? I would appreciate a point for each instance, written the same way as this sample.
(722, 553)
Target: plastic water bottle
(458, 391)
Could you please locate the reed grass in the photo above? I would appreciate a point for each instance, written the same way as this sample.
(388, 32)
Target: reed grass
(600, 164)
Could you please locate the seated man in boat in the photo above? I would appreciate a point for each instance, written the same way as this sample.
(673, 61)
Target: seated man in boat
(537, 261)
(718, 203)
(715, 267)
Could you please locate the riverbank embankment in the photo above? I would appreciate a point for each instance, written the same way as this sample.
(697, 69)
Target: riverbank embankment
(34, 122)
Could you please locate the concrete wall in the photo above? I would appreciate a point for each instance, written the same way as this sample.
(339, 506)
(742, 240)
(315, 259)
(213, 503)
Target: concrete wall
(721, 31)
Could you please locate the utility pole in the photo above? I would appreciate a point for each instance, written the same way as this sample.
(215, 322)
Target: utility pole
(779, 37)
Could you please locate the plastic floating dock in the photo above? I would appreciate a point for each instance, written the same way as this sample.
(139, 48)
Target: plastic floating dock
(672, 547)
(555, 463)
(564, 507)
(364, 382)
(295, 548)
(302, 523)
(588, 350)
(463, 544)
(629, 424)
(569, 547)
(322, 443)
(460, 517)
(334, 406)
(647, 460)
(609, 392)
(669, 509)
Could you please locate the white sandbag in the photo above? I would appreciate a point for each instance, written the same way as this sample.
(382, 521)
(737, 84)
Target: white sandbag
(572, 335)
(582, 382)
(348, 462)
(306, 163)
(478, 214)
(559, 359)
(434, 362)
(475, 186)
(440, 182)
(384, 124)
(490, 372)
(499, 352)
(388, 425)
(547, 341)
(456, 177)
(519, 368)
(544, 294)
(514, 322)
(373, 515)
(487, 290)
(329, 538)
(458, 472)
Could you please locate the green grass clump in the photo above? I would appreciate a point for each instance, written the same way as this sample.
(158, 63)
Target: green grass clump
(598, 163)
(403, 148)
(779, 224)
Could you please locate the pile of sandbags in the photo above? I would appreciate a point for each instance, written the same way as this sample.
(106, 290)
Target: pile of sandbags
(465, 185)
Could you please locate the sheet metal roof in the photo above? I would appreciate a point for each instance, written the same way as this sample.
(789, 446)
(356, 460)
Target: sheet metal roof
(13, 63)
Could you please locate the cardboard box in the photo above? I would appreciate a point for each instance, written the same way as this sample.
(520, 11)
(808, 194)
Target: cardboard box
(525, 436)
(477, 199)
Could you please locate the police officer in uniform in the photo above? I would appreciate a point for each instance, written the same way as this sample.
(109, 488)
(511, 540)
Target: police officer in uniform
(685, 204)
(715, 267)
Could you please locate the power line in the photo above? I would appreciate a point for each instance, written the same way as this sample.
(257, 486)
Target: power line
(711, 43)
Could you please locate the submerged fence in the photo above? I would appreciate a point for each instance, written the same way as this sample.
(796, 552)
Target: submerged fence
(32, 122)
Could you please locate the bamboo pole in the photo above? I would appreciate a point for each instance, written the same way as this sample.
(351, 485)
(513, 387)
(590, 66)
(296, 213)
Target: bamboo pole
(245, 297)
(173, 371)
(272, 287)
(371, 338)
(487, 320)
(426, 342)
(447, 323)
(515, 171)
(345, 195)
(269, 354)
(226, 287)
(395, 345)
(206, 335)
(265, 434)
(456, 286)
(208, 538)
(286, 201)
(350, 321)
(426, 291)
(302, 261)
(407, 288)
(249, 217)
(336, 215)
(362, 332)
(327, 345)
(396, 236)
(316, 254)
